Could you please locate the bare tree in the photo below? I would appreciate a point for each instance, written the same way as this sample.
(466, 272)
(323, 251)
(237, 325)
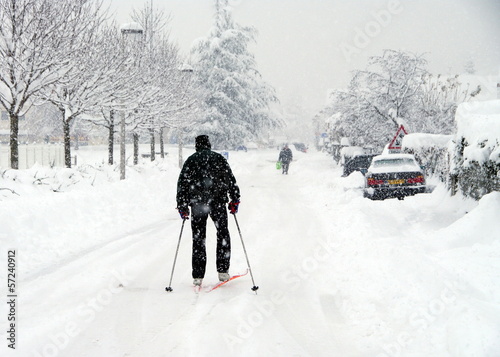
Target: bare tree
(120, 58)
(396, 89)
(90, 80)
(172, 85)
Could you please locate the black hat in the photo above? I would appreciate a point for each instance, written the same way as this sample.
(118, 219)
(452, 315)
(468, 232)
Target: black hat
(202, 142)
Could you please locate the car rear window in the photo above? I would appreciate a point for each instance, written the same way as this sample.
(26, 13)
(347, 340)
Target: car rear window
(393, 162)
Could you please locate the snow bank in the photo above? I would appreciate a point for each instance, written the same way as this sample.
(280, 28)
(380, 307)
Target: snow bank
(54, 214)
(339, 275)
(475, 165)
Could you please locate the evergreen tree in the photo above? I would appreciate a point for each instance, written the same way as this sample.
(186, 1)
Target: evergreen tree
(237, 99)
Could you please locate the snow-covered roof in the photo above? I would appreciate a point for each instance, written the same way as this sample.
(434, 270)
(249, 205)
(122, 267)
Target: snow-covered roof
(186, 67)
(333, 118)
(479, 124)
(351, 151)
(133, 27)
(345, 141)
(394, 163)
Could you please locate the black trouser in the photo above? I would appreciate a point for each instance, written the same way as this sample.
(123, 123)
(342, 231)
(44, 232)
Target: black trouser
(199, 215)
(285, 166)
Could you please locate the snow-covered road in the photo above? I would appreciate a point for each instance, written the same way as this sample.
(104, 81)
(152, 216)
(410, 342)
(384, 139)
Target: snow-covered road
(339, 275)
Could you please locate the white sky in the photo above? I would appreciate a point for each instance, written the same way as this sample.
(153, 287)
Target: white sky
(303, 45)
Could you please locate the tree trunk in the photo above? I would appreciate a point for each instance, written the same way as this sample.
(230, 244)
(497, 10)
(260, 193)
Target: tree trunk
(162, 144)
(111, 136)
(136, 148)
(14, 142)
(67, 142)
(152, 143)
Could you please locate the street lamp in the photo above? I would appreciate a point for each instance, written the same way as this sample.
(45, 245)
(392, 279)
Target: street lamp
(133, 31)
(187, 69)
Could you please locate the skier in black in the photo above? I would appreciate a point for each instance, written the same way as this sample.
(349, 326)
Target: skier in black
(285, 157)
(204, 184)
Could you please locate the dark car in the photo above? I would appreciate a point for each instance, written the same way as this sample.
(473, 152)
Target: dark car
(300, 147)
(359, 163)
(394, 175)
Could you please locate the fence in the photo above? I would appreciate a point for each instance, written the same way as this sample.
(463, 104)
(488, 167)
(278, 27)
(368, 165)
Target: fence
(45, 155)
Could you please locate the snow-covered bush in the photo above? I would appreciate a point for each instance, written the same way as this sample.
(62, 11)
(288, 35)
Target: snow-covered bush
(475, 166)
(431, 151)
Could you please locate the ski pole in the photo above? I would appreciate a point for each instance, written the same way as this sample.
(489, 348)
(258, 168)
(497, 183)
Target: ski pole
(246, 255)
(169, 288)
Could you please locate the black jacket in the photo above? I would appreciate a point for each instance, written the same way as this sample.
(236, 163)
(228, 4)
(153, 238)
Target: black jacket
(286, 155)
(206, 178)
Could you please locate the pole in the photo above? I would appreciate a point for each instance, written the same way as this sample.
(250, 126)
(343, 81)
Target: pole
(181, 143)
(122, 147)
(254, 288)
(169, 288)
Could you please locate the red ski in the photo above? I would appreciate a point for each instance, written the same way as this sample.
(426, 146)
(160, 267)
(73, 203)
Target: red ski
(218, 285)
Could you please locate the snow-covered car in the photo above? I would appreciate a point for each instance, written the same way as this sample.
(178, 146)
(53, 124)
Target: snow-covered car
(358, 163)
(394, 175)
(300, 147)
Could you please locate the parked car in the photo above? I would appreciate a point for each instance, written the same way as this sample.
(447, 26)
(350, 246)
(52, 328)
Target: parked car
(359, 163)
(300, 147)
(394, 175)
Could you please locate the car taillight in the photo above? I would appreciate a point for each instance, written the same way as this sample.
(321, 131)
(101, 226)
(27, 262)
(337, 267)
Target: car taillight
(418, 179)
(372, 182)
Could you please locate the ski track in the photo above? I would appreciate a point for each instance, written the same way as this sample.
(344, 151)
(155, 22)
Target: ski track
(113, 294)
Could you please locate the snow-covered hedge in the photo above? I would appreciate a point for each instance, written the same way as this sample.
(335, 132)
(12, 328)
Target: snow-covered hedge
(431, 151)
(348, 152)
(475, 166)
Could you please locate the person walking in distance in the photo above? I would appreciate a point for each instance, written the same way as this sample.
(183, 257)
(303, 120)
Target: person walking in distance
(205, 184)
(285, 157)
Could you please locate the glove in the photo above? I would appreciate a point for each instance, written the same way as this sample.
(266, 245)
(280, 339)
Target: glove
(184, 212)
(233, 207)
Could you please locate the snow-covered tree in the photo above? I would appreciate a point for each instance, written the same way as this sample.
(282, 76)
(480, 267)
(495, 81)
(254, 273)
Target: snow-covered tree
(35, 40)
(238, 99)
(470, 67)
(396, 89)
(391, 85)
(174, 95)
(88, 80)
(120, 60)
(438, 103)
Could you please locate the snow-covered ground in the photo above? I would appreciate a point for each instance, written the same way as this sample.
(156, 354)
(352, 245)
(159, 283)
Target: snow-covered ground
(339, 275)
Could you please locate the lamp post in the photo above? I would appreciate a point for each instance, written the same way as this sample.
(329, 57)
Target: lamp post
(187, 69)
(132, 31)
